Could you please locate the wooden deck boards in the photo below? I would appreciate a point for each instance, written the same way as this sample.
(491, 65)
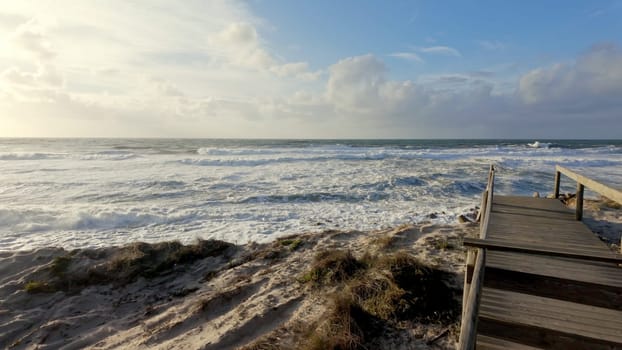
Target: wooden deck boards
(572, 269)
(546, 322)
(490, 343)
(541, 222)
(540, 301)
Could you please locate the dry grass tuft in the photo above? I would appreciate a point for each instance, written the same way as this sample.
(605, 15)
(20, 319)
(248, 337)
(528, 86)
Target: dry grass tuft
(332, 266)
(292, 243)
(427, 296)
(344, 327)
(126, 264)
(151, 260)
(385, 241)
(38, 287)
(59, 265)
(380, 293)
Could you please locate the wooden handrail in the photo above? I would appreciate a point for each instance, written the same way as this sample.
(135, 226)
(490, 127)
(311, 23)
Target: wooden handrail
(582, 182)
(468, 327)
(472, 292)
(493, 244)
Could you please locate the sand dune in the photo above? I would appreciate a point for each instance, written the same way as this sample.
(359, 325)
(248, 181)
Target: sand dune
(215, 295)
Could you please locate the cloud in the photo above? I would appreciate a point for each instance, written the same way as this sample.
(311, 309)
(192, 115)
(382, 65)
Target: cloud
(593, 82)
(543, 101)
(411, 56)
(355, 83)
(165, 88)
(239, 34)
(44, 84)
(440, 50)
(296, 69)
(9, 21)
(31, 36)
(415, 55)
(239, 44)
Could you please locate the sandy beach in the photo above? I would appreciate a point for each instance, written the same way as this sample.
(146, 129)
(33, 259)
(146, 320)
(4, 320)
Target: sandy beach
(252, 296)
(281, 295)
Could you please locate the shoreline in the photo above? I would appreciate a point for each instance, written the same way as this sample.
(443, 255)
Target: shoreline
(216, 295)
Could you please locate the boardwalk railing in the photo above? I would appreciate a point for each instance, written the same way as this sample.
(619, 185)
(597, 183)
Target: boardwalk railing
(473, 289)
(582, 182)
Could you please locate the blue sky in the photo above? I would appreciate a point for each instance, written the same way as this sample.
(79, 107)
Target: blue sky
(486, 33)
(311, 69)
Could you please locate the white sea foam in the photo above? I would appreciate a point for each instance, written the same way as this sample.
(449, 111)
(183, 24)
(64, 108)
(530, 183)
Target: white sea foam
(28, 156)
(78, 193)
(538, 144)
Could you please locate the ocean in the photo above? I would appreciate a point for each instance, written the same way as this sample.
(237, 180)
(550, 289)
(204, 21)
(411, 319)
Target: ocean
(77, 193)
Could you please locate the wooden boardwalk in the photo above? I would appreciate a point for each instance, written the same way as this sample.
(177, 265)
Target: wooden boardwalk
(547, 282)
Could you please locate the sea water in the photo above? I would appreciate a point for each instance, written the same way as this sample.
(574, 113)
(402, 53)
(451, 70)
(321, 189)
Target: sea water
(99, 192)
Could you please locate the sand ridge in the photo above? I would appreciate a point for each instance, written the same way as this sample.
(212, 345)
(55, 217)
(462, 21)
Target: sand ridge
(251, 294)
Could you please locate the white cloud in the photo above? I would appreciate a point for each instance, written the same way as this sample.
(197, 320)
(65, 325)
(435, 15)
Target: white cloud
(238, 43)
(238, 34)
(441, 50)
(32, 37)
(299, 70)
(459, 105)
(354, 83)
(593, 81)
(411, 56)
(415, 55)
(164, 88)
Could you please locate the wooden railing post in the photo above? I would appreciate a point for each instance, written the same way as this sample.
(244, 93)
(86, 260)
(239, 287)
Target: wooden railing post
(556, 190)
(579, 202)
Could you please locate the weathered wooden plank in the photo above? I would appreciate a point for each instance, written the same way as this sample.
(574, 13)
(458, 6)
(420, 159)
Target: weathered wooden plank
(489, 343)
(586, 239)
(551, 204)
(540, 213)
(551, 314)
(607, 191)
(567, 289)
(554, 242)
(604, 256)
(579, 270)
(570, 316)
(541, 337)
(558, 246)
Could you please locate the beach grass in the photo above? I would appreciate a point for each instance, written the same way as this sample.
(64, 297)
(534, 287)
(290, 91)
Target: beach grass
(376, 292)
(74, 271)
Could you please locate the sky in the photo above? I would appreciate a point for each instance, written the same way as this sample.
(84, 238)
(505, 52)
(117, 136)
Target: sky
(311, 69)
